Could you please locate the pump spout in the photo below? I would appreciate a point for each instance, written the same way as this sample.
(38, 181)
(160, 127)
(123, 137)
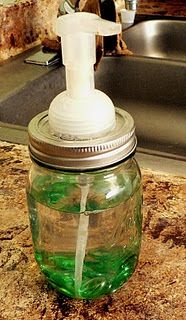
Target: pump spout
(86, 23)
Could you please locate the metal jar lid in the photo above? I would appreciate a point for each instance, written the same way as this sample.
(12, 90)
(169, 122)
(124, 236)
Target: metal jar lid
(81, 155)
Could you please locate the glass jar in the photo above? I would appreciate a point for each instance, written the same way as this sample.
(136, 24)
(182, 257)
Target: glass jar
(85, 224)
(108, 203)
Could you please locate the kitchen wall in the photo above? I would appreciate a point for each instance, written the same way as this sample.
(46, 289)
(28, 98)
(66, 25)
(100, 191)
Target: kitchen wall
(163, 7)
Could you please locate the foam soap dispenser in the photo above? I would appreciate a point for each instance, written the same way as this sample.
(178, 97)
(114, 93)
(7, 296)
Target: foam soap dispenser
(84, 188)
(81, 111)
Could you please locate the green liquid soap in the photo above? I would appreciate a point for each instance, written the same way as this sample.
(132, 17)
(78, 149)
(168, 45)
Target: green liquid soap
(103, 272)
(107, 265)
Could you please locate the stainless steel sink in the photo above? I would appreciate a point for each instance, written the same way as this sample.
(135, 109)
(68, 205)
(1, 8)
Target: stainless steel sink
(158, 39)
(152, 90)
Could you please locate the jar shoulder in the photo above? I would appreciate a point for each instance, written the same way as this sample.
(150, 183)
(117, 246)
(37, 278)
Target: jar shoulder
(106, 188)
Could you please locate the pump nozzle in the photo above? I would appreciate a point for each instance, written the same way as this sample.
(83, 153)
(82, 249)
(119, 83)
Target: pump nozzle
(81, 112)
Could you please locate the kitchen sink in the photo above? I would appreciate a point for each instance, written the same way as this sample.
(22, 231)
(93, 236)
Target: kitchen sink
(154, 93)
(152, 90)
(164, 39)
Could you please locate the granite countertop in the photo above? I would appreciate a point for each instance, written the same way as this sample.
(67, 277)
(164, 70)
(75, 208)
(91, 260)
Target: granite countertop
(176, 8)
(156, 291)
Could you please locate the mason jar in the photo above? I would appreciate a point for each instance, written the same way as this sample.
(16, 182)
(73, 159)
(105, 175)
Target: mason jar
(85, 208)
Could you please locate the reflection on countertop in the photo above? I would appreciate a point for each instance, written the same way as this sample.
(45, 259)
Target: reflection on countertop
(156, 289)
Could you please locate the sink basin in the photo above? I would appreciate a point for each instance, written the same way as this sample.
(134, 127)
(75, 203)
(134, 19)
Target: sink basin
(158, 39)
(151, 90)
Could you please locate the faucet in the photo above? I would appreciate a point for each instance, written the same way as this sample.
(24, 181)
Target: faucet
(131, 5)
(127, 12)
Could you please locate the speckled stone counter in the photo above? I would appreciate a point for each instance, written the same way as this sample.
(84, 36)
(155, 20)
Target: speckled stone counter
(156, 291)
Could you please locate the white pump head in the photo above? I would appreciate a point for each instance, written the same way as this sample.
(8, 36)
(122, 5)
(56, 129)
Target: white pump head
(81, 112)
